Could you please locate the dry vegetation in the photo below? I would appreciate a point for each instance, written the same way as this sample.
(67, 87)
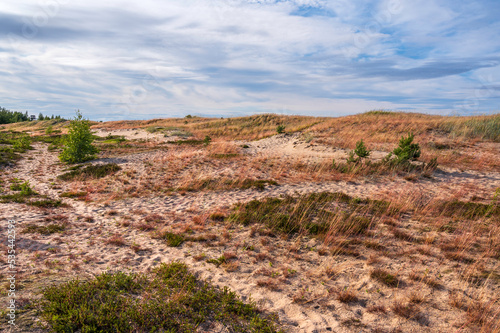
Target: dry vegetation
(369, 248)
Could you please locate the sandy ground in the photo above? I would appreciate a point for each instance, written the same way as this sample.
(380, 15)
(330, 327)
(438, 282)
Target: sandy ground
(302, 299)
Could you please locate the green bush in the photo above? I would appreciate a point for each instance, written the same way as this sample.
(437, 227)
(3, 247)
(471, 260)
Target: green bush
(26, 189)
(360, 151)
(22, 144)
(280, 129)
(407, 150)
(168, 299)
(78, 144)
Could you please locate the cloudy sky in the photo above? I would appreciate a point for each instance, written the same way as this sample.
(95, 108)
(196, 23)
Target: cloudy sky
(144, 59)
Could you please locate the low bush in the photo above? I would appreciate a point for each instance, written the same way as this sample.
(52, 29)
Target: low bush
(91, 171)
(170, 299)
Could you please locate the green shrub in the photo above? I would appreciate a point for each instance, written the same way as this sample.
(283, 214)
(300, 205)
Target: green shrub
(169, 299)
(280, 129)
(78, 144)
(22, 144)
(173, 240)
(207, 140)
(407, 150)
(26, 189)
(360, 151)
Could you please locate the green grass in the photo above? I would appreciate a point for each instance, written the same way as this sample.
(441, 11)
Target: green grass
(470, 210)
(217, 262)
(487, 127)
(43, 230)
(173, 240)
(73, 194)
(316, 213)
(188, 142)
(8, 156)
(91, 171)
(227, 184)
(258, 184)
(169, 299)
(12, 146)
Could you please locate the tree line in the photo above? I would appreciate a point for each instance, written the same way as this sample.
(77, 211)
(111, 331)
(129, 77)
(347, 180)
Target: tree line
(8, 117)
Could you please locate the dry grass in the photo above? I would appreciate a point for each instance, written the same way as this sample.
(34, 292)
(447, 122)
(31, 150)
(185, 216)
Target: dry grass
(415, 257)
(116, 239)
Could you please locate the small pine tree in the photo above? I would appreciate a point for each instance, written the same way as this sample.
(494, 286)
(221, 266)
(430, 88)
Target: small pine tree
(360, 151)
(78, 144)
(407, 150)
(40, 116)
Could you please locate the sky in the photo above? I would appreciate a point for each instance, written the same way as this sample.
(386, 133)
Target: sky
(146, 59)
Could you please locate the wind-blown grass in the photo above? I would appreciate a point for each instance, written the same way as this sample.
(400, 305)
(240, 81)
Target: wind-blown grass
(317, 213)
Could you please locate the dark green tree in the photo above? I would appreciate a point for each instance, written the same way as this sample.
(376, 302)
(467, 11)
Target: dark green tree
(407, 150)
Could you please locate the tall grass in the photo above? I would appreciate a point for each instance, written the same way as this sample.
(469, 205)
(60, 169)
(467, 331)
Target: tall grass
(485, 127)
(323, 214)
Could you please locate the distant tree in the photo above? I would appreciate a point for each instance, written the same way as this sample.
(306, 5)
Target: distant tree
(7, 117)
(40, 116)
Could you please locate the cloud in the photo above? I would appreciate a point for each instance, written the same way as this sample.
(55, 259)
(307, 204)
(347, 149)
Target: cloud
(226, 57)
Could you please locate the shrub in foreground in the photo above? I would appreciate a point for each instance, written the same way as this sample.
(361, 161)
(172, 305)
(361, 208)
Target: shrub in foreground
(170, 299)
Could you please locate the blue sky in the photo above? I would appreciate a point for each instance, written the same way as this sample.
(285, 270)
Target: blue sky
(145, 59)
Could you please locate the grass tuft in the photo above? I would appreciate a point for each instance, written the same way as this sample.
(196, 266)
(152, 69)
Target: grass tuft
(385, 277)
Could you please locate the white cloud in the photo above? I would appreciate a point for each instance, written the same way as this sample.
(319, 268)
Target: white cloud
(134, 59)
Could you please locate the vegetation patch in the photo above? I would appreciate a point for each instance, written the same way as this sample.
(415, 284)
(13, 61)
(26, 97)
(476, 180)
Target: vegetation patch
(46, 203)
(316, 213)
(170, 299)
(189, 142)
(258, 184)
(73, 194)
(91, 171)
(172, 239)
(217, 262)
(385, 277)
(227, 184)
(43, 230)
(486, 127)
(469, 210)
(225, 156)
